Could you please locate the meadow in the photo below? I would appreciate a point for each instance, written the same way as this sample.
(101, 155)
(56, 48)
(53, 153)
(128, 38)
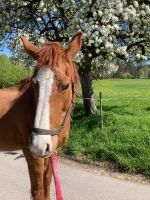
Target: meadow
(125, 139)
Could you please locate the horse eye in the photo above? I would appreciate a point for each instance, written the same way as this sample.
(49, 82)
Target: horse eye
(65, 87)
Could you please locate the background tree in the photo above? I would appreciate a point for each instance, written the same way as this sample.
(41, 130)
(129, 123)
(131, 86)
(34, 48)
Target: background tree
(114, 31)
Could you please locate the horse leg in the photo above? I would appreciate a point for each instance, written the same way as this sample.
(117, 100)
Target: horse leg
(36, 172)
(47, 178)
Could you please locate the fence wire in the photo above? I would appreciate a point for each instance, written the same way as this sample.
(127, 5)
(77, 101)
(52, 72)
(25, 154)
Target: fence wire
(125, 99)
(116, 99)
(101, 100)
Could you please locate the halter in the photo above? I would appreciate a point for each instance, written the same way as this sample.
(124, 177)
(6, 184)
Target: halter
(39, 131)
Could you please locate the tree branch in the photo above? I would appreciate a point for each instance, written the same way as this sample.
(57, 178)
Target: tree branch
(136, 44)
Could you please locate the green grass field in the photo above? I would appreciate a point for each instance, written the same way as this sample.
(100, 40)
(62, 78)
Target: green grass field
(125, 139)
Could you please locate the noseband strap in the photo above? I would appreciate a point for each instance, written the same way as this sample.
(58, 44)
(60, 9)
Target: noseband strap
(39, 131)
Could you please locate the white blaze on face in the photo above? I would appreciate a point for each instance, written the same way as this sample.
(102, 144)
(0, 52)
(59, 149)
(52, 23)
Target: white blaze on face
(45, 78)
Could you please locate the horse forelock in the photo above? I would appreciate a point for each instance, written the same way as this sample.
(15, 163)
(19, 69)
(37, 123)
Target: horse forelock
(51, 55)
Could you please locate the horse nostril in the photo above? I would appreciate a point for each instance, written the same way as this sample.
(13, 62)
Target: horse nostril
(47, 148)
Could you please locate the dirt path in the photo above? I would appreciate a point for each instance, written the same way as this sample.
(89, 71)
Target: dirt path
(77, 183)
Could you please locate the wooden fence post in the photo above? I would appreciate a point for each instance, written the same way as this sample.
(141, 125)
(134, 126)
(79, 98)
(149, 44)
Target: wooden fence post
(101, 110)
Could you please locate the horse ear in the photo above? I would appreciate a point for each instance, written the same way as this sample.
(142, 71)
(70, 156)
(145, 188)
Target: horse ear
(29, 47)
(75, 45)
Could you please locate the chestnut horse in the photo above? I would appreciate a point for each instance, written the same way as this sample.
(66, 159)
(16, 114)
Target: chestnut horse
(35, 114)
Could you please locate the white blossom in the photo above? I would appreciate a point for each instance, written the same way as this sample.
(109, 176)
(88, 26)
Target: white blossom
(94, 14)
(24, 3)
(89, 55)
(41, 4)
(97, 51)
(136, 4)
(144, 57)
(114, 18)
(122, 50)
(38, 19)
(44, 10)
(143, 13)
(100, 13)
(109, 45)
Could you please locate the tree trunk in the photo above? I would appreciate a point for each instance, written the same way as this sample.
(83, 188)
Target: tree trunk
(87, 92)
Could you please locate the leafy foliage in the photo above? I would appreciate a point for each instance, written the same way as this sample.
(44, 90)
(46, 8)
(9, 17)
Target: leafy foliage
(127, 75)
(11, 74)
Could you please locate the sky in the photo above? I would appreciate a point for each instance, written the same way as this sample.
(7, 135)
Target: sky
(5, 51)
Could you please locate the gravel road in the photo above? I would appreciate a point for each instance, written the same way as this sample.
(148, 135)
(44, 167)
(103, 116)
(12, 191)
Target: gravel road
(77, 184)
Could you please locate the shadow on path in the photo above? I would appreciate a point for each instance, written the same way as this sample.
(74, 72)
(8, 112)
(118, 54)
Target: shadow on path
(17, 155)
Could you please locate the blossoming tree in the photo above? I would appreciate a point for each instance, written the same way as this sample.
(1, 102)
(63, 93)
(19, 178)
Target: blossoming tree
(114, 30)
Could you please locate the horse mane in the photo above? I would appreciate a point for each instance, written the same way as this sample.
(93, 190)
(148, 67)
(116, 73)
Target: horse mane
(24, 84)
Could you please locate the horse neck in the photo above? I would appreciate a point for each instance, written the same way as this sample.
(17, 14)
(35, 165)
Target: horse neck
(24, 107)
(17, 113)
(27, 101)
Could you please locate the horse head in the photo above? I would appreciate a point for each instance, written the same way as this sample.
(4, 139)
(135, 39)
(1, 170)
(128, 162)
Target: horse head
(55, 82)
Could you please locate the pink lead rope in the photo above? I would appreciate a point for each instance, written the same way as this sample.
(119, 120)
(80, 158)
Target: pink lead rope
(53, 159)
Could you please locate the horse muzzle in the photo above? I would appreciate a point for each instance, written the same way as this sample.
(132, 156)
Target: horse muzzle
(41, 145)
